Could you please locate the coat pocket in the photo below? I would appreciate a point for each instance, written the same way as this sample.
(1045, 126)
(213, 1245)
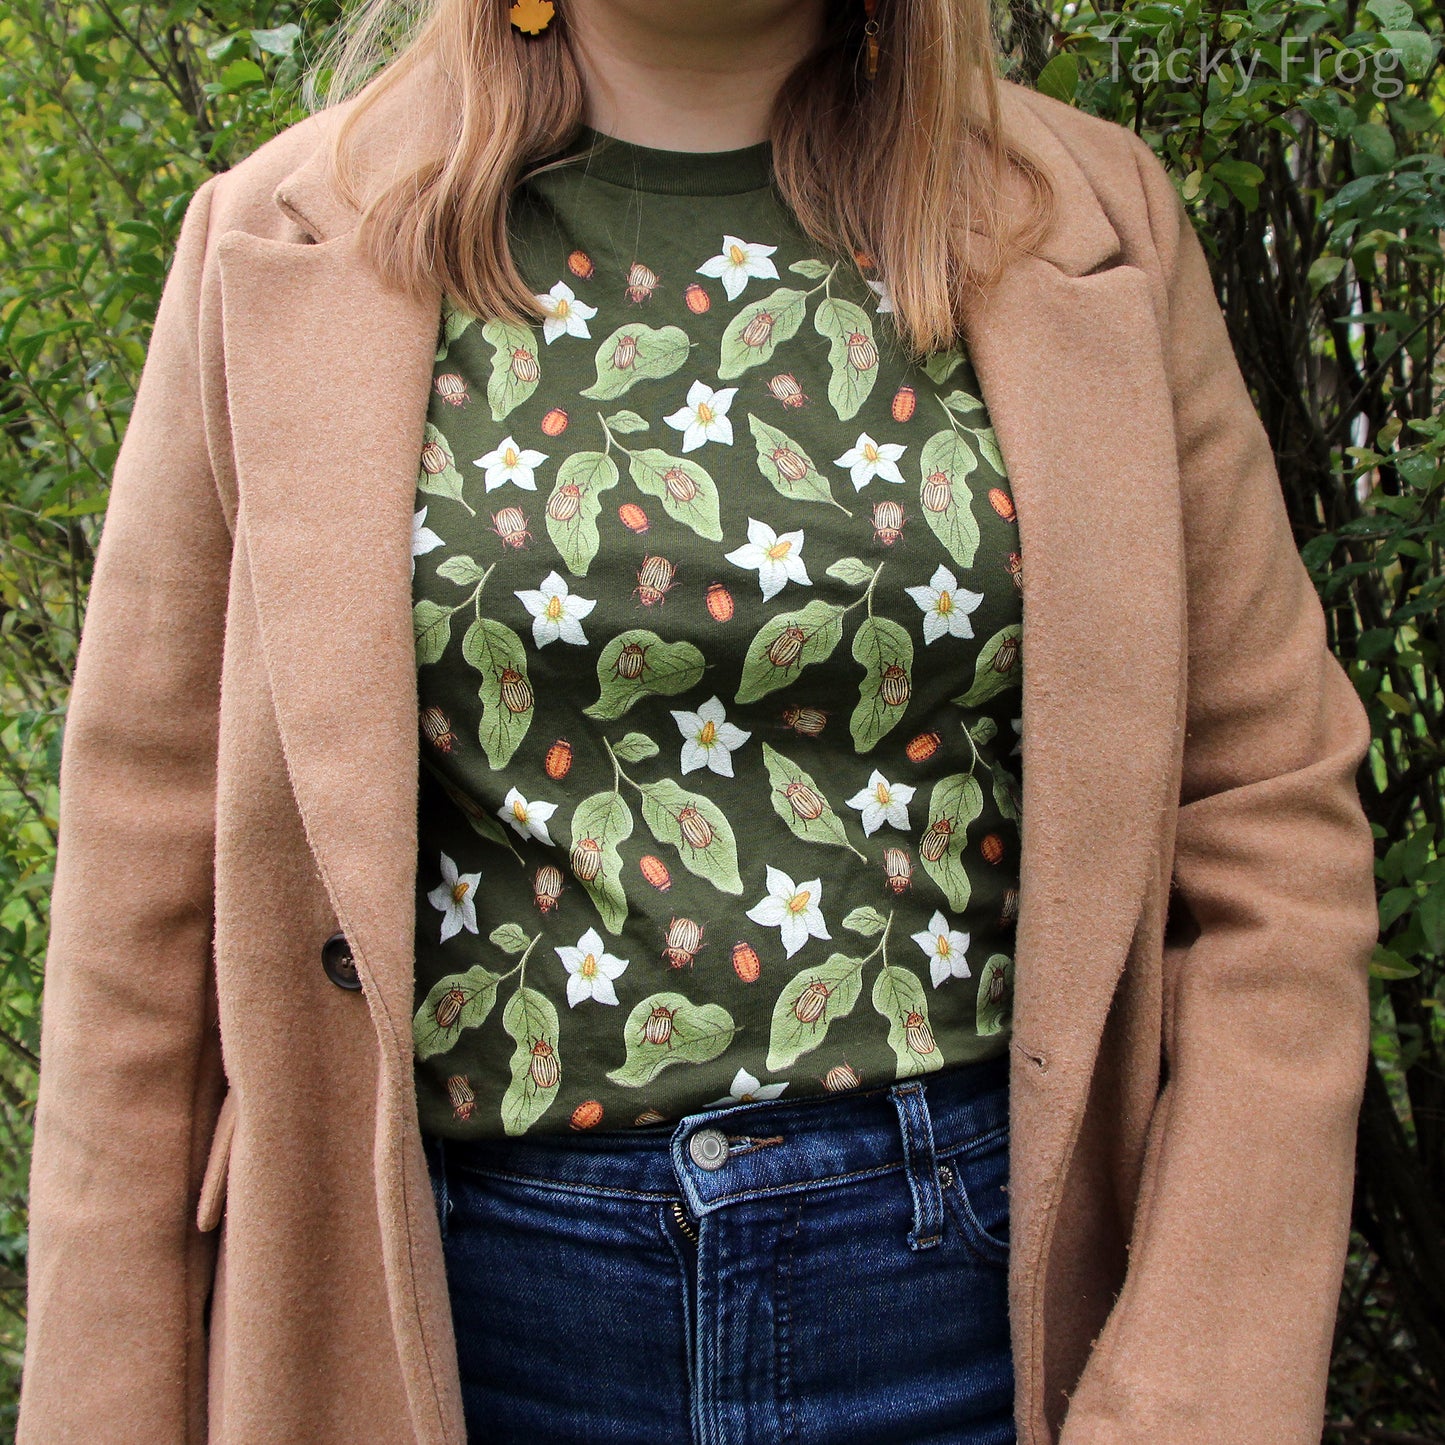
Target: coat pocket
(213, 1182)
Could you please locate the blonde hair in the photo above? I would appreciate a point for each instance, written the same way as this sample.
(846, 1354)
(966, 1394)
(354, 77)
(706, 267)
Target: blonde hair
(901, 169)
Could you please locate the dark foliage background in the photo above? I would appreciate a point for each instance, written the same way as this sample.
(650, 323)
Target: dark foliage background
(1306, 138)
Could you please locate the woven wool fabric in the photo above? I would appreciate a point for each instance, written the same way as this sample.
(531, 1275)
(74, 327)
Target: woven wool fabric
(718, 605)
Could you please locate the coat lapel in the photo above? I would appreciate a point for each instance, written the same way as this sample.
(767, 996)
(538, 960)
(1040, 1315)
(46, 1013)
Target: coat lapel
(328, 375)
(328, 378)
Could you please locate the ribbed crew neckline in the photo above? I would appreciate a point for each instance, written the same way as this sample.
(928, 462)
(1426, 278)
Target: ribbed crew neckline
(675, 173)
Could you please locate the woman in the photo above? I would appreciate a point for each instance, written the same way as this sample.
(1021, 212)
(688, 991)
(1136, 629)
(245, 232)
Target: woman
(425, 1053)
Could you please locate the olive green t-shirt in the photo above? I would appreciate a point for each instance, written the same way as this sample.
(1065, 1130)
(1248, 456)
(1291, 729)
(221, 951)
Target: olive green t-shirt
(718, 605)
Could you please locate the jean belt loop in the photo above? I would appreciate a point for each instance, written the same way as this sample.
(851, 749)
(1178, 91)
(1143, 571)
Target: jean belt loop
(919, 1163)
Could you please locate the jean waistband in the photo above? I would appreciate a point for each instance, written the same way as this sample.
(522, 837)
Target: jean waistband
(769, 1147)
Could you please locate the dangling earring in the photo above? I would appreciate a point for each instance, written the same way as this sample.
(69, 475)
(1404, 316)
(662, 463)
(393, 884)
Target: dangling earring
(870, 29)
(532, 16)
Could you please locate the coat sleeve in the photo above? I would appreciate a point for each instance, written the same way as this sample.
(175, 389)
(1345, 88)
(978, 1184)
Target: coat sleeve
(118, 1271)
(1221, 1334)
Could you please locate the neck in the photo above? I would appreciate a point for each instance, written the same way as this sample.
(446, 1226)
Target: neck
(688, 74)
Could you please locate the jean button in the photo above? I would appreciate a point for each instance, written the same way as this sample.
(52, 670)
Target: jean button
(708, 1148)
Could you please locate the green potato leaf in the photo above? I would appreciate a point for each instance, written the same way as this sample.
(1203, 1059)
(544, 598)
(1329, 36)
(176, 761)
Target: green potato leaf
(531, 1022)
(507, 702)
(623, 675)
(666, 1028)
(786, 644)
(636, 353)
(801, 1023)
(475, 991)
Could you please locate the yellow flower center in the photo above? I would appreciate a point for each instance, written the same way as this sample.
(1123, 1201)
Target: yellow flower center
(881, 793)
(704, 412)
(870, 451)
(944, 947)
(708, 735)
(780, 549)
(745, 1098)
(564, 307)
(589, 966)
(945, 603)
(554, 608)
(737, 255)
(460, 889)
(798, 903)
(511, 456)
(519, 811)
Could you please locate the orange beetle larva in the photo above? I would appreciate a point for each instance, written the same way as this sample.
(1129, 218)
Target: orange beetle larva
(579, 263)
(555, 422)
(587, 1115)
(905, 403)
(559, 759)
(923, 747)
(719, 603)
(1001, 502)
(992, 848)
(698, 301)
(746, 963)
(655, 871)
(633, 517)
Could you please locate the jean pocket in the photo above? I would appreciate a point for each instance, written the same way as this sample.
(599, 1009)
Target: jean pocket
(974, 1179)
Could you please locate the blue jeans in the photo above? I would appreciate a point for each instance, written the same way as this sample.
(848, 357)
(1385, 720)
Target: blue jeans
(810, 1271)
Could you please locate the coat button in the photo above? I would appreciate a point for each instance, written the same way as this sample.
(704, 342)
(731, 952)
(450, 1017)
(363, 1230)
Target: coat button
(709, 1148)
(336, 959)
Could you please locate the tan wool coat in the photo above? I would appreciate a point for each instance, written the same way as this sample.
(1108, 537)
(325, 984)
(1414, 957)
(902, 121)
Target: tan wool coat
(227, 1247)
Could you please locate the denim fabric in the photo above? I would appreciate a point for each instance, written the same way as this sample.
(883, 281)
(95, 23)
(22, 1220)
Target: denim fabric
(841, 1275)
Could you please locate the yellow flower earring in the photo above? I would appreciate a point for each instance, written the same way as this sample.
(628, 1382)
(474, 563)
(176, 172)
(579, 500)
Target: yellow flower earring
(532, 16)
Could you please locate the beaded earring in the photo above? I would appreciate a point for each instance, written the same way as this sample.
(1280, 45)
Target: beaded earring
(532, 16)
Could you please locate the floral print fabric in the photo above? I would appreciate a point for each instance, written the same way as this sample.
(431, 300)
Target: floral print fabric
(717, 604)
